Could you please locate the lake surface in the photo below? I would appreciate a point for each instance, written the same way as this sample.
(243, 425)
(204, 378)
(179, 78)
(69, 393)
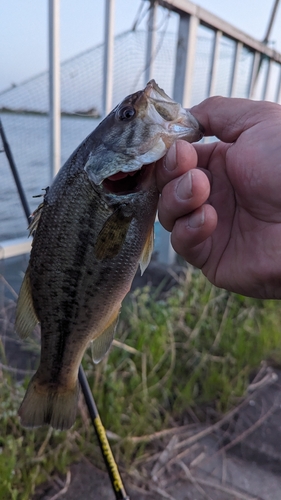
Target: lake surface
(28, 137)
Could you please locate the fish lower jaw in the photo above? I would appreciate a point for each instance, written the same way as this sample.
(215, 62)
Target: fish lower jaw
(123, 183)
(121, 175)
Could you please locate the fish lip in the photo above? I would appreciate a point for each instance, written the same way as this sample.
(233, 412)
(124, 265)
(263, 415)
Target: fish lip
(186, 132)
(191, 128)
(198, 126)
(185, 120)
(166, 119)
(152, 86)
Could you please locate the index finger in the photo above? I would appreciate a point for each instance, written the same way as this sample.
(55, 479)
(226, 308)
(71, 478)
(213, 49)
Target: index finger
(180, 158)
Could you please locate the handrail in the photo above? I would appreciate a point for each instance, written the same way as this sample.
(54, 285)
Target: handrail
(212, 21)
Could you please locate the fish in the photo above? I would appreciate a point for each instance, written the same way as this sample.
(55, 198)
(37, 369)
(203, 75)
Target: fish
(92, 230)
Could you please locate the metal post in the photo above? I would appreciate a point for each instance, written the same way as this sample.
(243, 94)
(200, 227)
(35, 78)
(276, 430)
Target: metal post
(185, 59)
(254, 74)
(234, 75)
(151, 41)
(214, 63)
(54, 87)
(166, 254)
(108, 56)
(266, 81)
(182, 93)
(278, 88)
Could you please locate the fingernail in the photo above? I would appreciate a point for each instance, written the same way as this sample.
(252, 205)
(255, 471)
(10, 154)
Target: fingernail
(184, 189)
(197, 219)
(171, 158)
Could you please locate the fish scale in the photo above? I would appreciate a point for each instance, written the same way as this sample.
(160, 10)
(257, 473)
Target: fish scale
(92, 231)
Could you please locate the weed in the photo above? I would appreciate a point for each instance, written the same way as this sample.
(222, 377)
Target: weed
(194, 346)
(27, 457)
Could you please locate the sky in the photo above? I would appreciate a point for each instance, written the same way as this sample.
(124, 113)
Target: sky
(24, 29)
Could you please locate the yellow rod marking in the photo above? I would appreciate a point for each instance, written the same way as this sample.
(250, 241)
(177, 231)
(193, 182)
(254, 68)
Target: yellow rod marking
(118, 485)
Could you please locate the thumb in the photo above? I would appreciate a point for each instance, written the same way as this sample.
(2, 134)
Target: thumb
(227, 118)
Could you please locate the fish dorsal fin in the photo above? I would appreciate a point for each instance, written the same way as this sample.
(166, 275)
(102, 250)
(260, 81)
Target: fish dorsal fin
(26, 318)
(102, 343)
(113, 234)
(147, 251)
(34, 219)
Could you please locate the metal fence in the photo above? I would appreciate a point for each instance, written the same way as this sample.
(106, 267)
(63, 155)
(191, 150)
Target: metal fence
(252, 69)
(203, 56)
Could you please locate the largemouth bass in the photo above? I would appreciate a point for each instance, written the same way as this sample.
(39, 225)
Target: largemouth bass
(93, 229)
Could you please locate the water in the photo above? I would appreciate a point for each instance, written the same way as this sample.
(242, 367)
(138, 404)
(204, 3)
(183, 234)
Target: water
(28, 136)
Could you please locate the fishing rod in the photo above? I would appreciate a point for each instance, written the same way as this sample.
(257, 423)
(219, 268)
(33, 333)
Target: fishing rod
(108, 457)
(111, 465)
(14, 170)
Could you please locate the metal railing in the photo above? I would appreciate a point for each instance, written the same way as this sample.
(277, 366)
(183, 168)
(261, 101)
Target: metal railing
(263, 79)
(191, 17)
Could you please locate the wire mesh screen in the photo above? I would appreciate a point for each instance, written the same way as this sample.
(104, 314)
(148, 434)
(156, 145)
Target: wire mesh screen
(24, 108)
(203, 62)
(24, 114)
(245, 65)
(82, 76)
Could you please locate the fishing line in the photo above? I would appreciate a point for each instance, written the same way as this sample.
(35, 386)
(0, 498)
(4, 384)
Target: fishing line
(165, 24)
(140, 15)
(112, 468)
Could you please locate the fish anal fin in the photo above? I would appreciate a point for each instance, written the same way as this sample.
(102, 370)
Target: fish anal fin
(43, 405)
(147, 251)
(26, 318)
(112, 236)
(102, 343)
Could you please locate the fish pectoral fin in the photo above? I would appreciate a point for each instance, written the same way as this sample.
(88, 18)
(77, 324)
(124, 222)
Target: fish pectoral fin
(26, 318)
(102, 343)
(113, 234)
(147, 251)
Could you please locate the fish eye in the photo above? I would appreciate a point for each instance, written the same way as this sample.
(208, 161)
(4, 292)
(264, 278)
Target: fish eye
(126, 113)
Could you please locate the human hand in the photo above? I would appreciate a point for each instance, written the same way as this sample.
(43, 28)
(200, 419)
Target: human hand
(222, 200)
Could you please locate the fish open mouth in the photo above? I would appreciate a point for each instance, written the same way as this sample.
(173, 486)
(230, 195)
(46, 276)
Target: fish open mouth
(126, 182)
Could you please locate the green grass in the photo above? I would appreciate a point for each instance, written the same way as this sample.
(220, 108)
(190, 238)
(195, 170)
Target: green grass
(194, 346)
(27, 457)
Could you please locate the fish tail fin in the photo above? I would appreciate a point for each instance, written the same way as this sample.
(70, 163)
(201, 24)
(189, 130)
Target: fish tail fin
(48, 406)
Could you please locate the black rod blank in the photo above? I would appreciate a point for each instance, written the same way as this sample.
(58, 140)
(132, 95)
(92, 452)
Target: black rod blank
(108, 457)
(12, 164)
